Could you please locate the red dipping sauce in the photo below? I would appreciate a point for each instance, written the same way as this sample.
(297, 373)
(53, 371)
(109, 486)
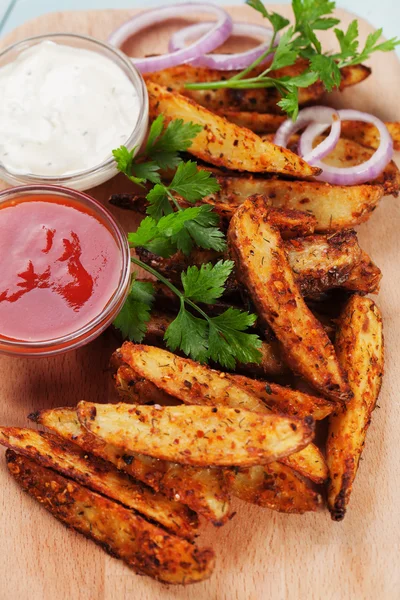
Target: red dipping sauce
(62, 263)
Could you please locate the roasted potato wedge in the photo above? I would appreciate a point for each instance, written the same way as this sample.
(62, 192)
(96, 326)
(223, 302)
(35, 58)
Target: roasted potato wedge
(203, 490)
(197, 384)
(222, 143)
(365, 277)
(262, 266)
(259, 100)
(348, 153)
(359, 346)
(133, 388)
(323, 262)
(333, 207)
(146, 548)
(273, 486)
(367, 134)
(285, 400)
(197, 435)
(68, 459)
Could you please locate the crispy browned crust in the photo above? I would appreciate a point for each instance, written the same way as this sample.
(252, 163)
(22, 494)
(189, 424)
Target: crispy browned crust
(274, 486)
(260, 123)
(367, 135)
(360, 349)
(348, 153)
(138, 390)
(203, 490)
(333, 207)
(365, 277)
(197, 435)
(146, 548)
(260, 100)
(284, 399)
(222, 143)
(93, 472)
(263, 268)
(197, 384)
(320, 263)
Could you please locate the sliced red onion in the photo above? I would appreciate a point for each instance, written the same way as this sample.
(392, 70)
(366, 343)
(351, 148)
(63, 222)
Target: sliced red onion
(367, 171)
(315, 118)
(215, 37)
(224, 62)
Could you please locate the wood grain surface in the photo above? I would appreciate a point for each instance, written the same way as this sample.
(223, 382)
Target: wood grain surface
(260, 554)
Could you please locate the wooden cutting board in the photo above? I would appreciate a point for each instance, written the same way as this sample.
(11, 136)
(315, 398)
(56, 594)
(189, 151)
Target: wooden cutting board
(260, 554)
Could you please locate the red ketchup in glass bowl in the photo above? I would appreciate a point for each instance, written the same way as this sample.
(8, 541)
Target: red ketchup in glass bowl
(65, 269)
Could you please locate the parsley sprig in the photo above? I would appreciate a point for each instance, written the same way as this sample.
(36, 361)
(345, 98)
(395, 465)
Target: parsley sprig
(222, 339)
(301, 41)
(165, 231)
(168, 228)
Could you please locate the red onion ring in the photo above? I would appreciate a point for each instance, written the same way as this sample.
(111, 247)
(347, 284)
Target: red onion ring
(211, 40)
(224, 62)
(315, 117)
(367, 171)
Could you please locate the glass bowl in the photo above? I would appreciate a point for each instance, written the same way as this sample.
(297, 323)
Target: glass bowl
(98, 324)
(83, 180)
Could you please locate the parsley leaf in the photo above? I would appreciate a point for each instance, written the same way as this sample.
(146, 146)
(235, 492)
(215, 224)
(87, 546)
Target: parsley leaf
(159, 204)
(189, 334)
(135, 313)
(207, 283)
(277, 21)
(192, 183)
(227, 341)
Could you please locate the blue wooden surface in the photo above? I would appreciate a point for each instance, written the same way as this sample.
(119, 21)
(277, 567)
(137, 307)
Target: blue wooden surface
(385, 13)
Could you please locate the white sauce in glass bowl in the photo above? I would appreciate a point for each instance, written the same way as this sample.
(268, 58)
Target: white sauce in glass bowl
(63, 110)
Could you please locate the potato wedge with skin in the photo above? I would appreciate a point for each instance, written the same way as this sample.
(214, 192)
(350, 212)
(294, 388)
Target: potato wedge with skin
(320, 263)
(284, 399)
(197, 384)
(260, 123)
(197, 435)
(360, 349)
(348, 153)
(222, 143)
(146, 548)
(367, 134)
(273, 486)
(69, 460)
(333, 207)
(263, 268)
(365, 277)
(203, 490)
(259, 100)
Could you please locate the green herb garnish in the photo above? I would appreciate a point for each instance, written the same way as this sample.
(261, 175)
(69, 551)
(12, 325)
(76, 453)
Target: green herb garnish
(301, 41)
(168, 228)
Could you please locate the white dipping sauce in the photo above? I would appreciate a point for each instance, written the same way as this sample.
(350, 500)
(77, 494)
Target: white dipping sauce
(63, 110)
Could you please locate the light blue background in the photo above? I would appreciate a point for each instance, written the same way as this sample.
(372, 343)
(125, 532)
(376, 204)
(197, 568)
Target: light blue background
(381, 13)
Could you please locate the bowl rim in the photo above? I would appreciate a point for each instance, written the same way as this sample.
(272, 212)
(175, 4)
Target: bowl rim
(99, 323)
(109, 164)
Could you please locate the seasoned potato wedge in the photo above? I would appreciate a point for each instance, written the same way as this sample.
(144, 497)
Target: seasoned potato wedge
(273, 486)
(133, 388)
(262, 266)
(348, 153)
(144, 547)
(222, 143)
(285, 400)
(203, 490)
(359, 346)
(334, 207)
(197, 384)
(100, 476)
(365, 277)
(260, 100)
(367, 134)
(322, 262)
(197, 435)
